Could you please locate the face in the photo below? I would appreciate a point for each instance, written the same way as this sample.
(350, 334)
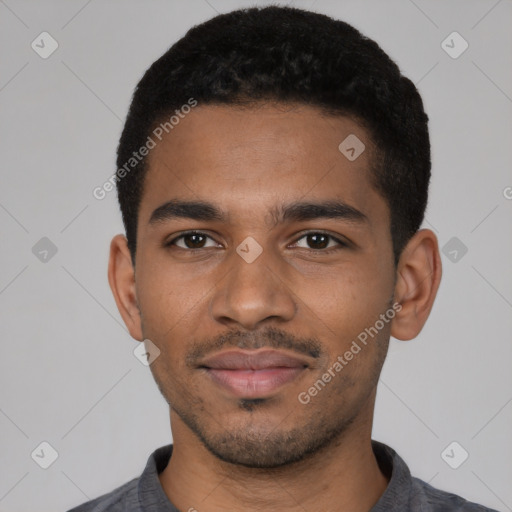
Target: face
(289, 262)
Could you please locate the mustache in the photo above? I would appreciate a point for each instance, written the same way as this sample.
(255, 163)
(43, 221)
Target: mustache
(252, 340)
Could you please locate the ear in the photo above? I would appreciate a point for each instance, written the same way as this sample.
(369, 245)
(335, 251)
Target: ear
(418, 277)
(121, 277)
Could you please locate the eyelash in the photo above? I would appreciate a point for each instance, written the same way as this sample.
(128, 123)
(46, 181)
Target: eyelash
(341, 245)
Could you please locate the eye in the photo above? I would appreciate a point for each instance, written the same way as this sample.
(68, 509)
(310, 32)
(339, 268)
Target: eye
(320, 241)
(315, 240)
(191, 240)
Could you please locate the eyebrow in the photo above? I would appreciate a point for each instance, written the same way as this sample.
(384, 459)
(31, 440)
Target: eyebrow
(304, 211)
(297, 211)
(196, 210)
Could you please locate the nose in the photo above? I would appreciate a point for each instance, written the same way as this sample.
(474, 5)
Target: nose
(252, 294)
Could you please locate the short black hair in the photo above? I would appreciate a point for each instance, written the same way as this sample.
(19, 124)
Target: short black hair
(288, 55)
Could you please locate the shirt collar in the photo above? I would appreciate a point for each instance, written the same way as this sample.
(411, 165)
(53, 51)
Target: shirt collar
(400, 480)
(152, 497)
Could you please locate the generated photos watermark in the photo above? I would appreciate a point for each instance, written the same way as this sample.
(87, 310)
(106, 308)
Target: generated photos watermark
(341, 361)
(101, 192)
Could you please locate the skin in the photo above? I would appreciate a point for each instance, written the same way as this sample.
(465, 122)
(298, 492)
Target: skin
(300, 293)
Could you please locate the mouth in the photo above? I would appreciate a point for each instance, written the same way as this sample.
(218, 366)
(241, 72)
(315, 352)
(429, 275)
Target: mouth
(253, 374)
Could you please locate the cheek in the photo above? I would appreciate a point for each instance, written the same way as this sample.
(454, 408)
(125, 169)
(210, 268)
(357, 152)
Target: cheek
(168, 298)
(345, 302)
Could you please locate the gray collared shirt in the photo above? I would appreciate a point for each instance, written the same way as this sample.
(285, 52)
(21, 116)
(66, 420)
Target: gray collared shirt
(403, 494)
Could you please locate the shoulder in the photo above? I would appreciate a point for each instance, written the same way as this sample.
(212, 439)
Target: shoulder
(123, 498)
(430, 499)
(406, 493)
(138, 493)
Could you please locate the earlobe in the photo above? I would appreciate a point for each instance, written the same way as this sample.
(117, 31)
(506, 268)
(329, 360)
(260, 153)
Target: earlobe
(121, 277)
(418, 278)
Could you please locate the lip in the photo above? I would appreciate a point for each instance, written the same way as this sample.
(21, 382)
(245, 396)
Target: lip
(253, 374)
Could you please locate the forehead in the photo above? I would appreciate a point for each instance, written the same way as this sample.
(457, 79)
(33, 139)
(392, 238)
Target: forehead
(252, 159)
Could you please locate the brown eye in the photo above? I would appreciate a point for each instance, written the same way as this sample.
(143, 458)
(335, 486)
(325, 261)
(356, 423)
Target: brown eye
(319, 241)
(192, 240)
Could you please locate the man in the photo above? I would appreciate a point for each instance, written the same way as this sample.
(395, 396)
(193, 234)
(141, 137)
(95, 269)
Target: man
(273, 175)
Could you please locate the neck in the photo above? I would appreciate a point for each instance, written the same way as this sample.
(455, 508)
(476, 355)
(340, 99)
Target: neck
(342, 476)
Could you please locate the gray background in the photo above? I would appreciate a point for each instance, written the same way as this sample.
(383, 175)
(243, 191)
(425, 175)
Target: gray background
(68, 374)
